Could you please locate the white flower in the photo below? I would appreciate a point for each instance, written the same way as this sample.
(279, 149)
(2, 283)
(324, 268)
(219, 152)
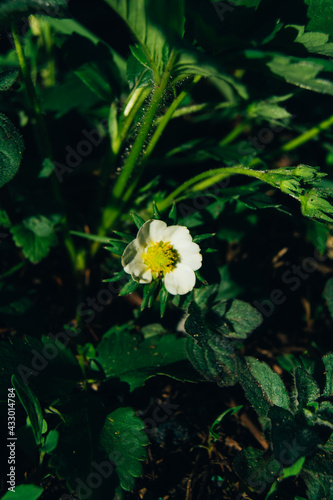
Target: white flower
(161, 251)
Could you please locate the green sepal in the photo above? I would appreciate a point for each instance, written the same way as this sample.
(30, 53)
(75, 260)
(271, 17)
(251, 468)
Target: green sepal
(164, 295)
(116, 277)
(201, 278)
(157, 214)
(91, 237)
(130, 287)
(173, 215)
(125, 236)
(117, 247)
(149, 294)
(202, 237)
(138, 221)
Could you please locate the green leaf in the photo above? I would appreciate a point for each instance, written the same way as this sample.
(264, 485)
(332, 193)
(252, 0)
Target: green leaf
(137, 14)
(328, 295)
(320, 13)
(294, 469)
(291, 471)
(11, 10)
(7, 79)
(50, 369)
(318, 475)
(47, 170)
(324, 414)
(269, 109)
(235, 318)
(4, 219)
(263, 387)
(79, 453)
(291, 439)
(328, 362)
(51, 441)
(196, 326)
(314, 42)
(217, 422)
(94, 65)
(31, 405)
(256, 468)
(123, 435)
(193, 62)
(24, 492)
(307, 390)
(216, 361)
(70, 94)
(35, 236)
(124, 355)
(301, 72)
(11, 149)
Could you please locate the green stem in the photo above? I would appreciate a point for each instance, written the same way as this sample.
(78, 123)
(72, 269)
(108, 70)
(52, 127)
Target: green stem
(12, 270)
(308, 135)
(167, 117)
(148, 120)
(196, 108)
(157, 135)
(127, 120)
(114, 209)
(41, 134)
(233, 134)
(210, 178)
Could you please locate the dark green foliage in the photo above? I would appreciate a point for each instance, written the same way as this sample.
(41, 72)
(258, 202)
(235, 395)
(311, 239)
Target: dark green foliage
(11, 150)
(146, 357)
(210, 115)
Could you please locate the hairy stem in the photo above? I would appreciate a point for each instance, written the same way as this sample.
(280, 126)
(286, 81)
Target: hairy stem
(207, 179)
(308, 135)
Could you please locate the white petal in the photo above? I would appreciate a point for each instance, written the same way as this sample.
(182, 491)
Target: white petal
(130, 253)
(176, 235)
(180, 281)
(191, 259)
(150, 232)
(141, 273)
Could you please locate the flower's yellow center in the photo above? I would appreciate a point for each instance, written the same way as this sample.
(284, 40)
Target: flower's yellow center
(160, 258)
